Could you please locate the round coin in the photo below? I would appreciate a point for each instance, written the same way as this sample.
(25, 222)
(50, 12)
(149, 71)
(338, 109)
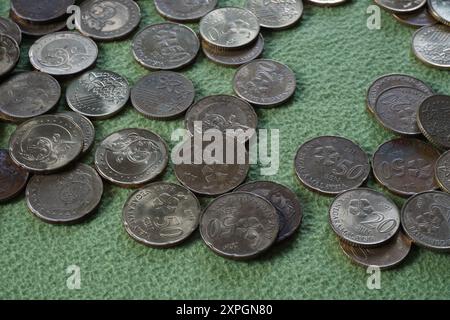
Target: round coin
(185, 11)
(86, 127)
(161, 214)
(264, 83)
(283, 199)
(401, 6)
(431, 45)
(440, 9)
(11, 29)
(433, 119)
(331, 165)
(40, 10)
(131, 157)
(12, 177)
(327, 3)
(37, 29)
(163, 95)
(239, 225)
(9, 54)
(420, 18)
(165, 46)
(443, 171)
(276, 14)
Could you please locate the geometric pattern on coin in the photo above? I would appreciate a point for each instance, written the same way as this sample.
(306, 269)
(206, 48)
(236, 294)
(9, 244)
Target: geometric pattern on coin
(440, 10)
(276, 14)
(40, 11)
(443, 172)
(431, 45)
(12, 177)
(10, 54)
(433, 118)
(184, 11)
(10, 28)
(86, 127)
(401, 6)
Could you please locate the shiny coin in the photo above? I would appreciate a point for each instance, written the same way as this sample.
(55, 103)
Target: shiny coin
(86, 127)
(327, 3)
(11, 29)
(420, 18)
(161, 214)
(28, 94)
(425, 220)
(331, 165)
(440, 9)
(63, 53)
(181, 10)
(131, 157)
(9, 54)
(163, 95)
(12, 177)
(37, 29)
(431, 45)
(108, 20)
(98, 94)
(166, 46)
(46, 143)
(401, 6)
(239, 225)
(443, 172)
(229, 28)
(434, 120)
(283, 199)
(40, 10)
(276, 14)
(405, 166)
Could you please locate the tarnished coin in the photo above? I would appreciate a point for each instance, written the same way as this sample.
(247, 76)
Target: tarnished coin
(131, 157)
(12, 177)
(387, 256)
(283, 199)
(393, 80)
(46, 143)
(98, 94)
(443, 172)
(264, 83)
(63, 53)
(433, 118)
(401, 6)
(9, 54)
(108, 20)
(65, 197)
(11, 29)
(165, 46)
(161, 214)
(229, 28)
(239, 225)
(440, 9)
(425, 219)
(86, 127)
(163, 95)
(40, 10)
(327, 3)
(32, 29)
(182, 10)
(28, 94)
(405, 166)
(420, 18)
(396, 109)
(431, 45)
(331, 165)
(275, 14)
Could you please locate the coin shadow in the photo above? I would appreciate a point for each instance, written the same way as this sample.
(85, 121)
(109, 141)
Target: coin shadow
(283, 247)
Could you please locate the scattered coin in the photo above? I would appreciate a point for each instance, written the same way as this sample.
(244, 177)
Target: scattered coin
(9, 54)
(283, 199)
(37, 29)
(46, 143)
(239, 225)
(425, 220)
(331, 165)
(131, 157)
(65, 197)
(12, 177)
(433, 118)
(401, 6)
(98, 94)
(327, 3)
(163, 95)
(443, 172)
(165, 46)
(11, 29)
(276, 14)
(86, 127)
(420, 18)
(40, 10)
(440, 9)
(185, 11)
(161, 214)
(431, 45)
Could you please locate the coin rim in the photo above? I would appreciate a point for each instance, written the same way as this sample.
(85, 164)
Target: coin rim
(279, 26)
(393, 10)
(438, 180)
(22, 187)
(434, 13)
(16, 58)
(178, 19)
(423, 130)
(14, 25)
(423, 58)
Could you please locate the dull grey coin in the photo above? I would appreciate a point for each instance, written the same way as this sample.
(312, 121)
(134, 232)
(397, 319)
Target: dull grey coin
(440, 10)
(11, 29)
(12, 177)
(443, 172)
(66, 197)
(98, 94)
(327, 3)
(420, 18)
(9, 54)
(431, 45)
(433, 118)
(41, 11)
(276, 14)
(239, 225)
(86, 127)
(131, 157)
(184, 11)
(401, 6)
(161, 214)
(32, 29)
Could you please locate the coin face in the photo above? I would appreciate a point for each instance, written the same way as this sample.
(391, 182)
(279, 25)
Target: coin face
(443, 172)
(40, 10)
(86, 127)
(283, 199)
(98, 94)
(163, 95)
(405, 166)
(431, 45)
(11, 29)
(433, 119)
(165, 46)
(264, 83)
(32, 29)
(184, 10)
(63, 53)
(440, 9)
(396, 109)
(420, 18)
(28, 94)
(327, 3)
(46, 143)
(229, 28)
(9, 54)
(161, 214)
(12, 177)
(331, 165)
(276, 14)
(239, 225)
(401, 6)
(65, 197)
(108, 20)
(425, 219)
(131, 157)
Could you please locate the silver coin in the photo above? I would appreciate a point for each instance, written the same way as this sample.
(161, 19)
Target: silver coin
(420, 18)
(86, 127)
(63, 53)
(11, 29)
(327, 3)
(442, 172)
(440, 10)
(184, 10)
(165, 46)
(9, 54)
(40, 11)
(131, 157)
(401, 6)
(431, 45)
(98, 94)
(275, 14)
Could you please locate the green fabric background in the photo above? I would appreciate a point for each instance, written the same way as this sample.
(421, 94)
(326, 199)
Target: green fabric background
(335, 57)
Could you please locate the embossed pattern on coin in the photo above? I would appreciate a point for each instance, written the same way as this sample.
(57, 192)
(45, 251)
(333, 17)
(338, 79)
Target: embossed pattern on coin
(161, 214)
(185, 11)
(420, 18)
(431, 45)
(239, 225)
(40, 10)
(86, 127)
(9, 54)
(327, 3)
(37, 29)
(440, 9)
(12, 177)
(434, 120)
(11, 29)
(275, 14)
(443, 172)
(401, 6)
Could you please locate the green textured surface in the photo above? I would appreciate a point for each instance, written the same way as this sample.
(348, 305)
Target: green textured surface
(335, 57)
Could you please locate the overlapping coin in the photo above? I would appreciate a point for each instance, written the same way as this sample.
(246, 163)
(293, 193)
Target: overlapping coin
(419, 18)
(40, 11)
(32, 29)
(401, 6)
(11, 29)
(327, 3)
(184, 11)
(443, 171)
(433, 118)
(12, 177)
(440, 9)
(10, 54)
(276, 14)
(86, 127)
